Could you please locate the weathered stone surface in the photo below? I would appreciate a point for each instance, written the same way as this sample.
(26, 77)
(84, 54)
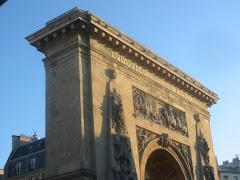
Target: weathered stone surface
(112, 105)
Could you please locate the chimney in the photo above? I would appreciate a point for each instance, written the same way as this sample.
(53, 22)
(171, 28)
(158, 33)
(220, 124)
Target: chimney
(1, 174)
(15, 142)
(21, 140)
(34, 137)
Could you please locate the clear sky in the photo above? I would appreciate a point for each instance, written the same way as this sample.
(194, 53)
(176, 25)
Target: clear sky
(202, 38)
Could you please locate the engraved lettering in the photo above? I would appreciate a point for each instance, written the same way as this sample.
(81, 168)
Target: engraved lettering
(128, 63)
(180, 93)
(144, 72)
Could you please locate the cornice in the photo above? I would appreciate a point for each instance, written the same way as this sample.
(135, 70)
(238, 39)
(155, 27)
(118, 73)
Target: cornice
(193, 107)
(58, 26)
(88, 22)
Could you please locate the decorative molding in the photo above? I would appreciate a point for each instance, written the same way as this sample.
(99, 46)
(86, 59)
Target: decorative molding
(209, 172)
(186, 153)
(88, 22)
(113, 74)
(164, 140)
(144, 136)
(154, 62)
(161, 113)
(204, 149)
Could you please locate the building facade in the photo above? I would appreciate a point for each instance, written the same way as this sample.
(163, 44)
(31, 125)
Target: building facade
(27, 159)
(122, 111)
(229, 170)
(1, 174)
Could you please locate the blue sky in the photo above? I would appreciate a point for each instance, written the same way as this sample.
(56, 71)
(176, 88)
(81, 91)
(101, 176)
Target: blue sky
(202, 38)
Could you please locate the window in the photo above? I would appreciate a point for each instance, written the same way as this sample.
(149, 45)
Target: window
(18, 168)
(42, 175)
(31, 178)
(32, 165)
(225, 177)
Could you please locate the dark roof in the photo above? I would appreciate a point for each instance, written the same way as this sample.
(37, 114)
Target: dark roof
(2, 2)
(229, 168)
(30, 148)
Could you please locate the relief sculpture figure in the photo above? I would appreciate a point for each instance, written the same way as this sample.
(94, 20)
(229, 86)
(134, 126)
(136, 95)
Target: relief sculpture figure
(159, 112)
(117, 115)
(173, 124)
(204, 149)
(122, 152)
(123, 159)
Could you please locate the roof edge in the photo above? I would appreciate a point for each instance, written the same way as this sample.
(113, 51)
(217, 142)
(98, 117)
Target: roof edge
(38, 39)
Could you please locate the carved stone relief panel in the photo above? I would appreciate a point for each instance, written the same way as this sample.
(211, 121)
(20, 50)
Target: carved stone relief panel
(144, 136)
(186, 152)
(159, 112)
(123, 164)
(123, 161)
(204, 149)
(164, 140)
(117, 113)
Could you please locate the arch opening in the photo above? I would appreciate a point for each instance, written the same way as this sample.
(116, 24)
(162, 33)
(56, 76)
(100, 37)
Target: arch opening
(161, 165)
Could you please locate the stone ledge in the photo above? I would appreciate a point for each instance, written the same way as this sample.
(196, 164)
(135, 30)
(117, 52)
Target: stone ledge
(86, 21)
(83, 174)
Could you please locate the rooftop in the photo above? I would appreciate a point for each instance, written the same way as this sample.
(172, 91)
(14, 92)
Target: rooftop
(29, 148)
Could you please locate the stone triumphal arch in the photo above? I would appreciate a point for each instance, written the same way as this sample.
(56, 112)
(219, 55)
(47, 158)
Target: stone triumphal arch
(122, 111)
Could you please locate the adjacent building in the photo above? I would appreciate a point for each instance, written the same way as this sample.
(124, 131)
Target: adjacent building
(229, 170)
(2, 2)
(27, 159)
(1, 174)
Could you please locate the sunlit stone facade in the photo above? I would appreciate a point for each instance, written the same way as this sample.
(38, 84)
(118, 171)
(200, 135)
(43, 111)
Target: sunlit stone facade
(116, 110)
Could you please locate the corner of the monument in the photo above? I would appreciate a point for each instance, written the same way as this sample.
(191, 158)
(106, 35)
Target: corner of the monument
(76, 9)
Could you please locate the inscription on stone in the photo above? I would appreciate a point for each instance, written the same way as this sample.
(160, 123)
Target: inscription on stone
(180, 93)
(161, 113)
(128, 63)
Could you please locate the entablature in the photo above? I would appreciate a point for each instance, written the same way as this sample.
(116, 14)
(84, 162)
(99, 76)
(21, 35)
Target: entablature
(86, 21)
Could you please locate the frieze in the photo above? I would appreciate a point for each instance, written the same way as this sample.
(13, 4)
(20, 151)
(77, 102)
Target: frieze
(161, 113)
(91, 23)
